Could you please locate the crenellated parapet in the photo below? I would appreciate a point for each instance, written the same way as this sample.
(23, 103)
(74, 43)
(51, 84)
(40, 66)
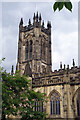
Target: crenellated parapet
(58, 77)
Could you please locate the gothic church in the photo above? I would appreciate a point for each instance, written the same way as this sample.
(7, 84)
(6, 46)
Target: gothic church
(62, 87)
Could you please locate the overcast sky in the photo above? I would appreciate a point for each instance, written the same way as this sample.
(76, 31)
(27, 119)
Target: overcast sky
(64, 31)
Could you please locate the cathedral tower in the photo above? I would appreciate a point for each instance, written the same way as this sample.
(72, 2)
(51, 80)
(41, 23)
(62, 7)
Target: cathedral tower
(34, 47)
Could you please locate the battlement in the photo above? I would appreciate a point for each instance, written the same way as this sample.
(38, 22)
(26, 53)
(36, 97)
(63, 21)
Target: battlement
(57, 77)
(37, 23)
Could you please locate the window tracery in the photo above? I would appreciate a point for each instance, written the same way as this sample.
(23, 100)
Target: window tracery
(54, 104)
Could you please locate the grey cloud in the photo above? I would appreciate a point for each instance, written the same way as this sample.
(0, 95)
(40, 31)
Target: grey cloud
(64, 26)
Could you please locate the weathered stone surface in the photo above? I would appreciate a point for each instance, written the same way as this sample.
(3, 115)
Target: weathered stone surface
(65, 81)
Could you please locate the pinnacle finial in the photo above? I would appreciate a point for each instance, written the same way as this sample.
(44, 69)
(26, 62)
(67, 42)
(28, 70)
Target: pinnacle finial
(67, 66)
(40, 17)
(64, 66)
(21, 22)
(73, 63)
(34, 16)
(60, 65)
(49, 24)
(43, 23)
(29, 22)
(37, 15)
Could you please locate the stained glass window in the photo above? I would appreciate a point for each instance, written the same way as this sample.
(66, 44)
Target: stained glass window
(30, 55)
(55, 104)
(27, 47)
(39, 106)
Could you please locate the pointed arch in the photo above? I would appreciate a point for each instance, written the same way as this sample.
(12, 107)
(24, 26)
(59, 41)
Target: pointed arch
(28, 70)
(54, 91)
(76, 92)
(39, 104)
(54, 102)
(76, 102)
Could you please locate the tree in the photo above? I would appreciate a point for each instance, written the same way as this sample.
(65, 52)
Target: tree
(18, 98)
(59, 4)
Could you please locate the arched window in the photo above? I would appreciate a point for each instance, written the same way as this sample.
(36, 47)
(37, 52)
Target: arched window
(30, 55)
(39, 106)
(78, 104)
(44, 50)
(54, 104)
(27, 48)
(41, 48)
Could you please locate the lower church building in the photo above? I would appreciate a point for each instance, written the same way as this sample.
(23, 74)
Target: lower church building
(62, 87)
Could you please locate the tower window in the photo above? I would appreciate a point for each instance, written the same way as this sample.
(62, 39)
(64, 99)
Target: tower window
(27, 47)
(78, 104)
(44, 49)
(41, 48)
(30, 55)
(55, 104)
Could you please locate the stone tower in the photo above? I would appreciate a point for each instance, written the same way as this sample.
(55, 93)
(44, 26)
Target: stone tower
(34, 47)
(62, 87)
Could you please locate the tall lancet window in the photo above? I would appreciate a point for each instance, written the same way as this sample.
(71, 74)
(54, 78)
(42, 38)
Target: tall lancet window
(41, 48)
(54, 104)
(39, 106)
(78, 104)
(44, 50)
(30, 55)
(27, 48)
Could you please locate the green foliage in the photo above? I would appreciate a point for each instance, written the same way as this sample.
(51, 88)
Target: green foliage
(1, 68)
(18, 97)
(59, 5)
(68, 5)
